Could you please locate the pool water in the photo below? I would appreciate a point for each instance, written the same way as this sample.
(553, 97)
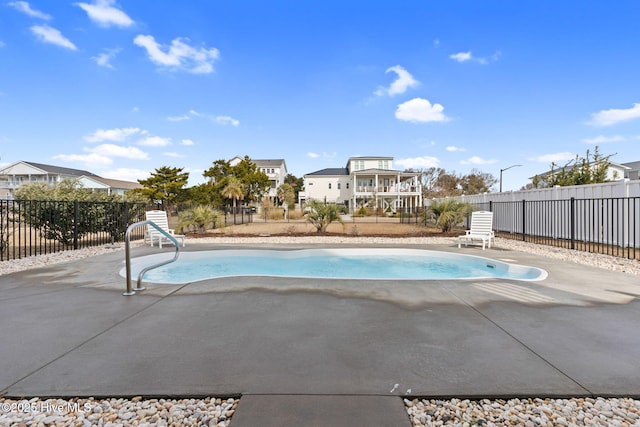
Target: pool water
(369, 264)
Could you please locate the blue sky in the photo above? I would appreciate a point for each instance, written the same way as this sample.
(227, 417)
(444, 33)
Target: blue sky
(121, 88)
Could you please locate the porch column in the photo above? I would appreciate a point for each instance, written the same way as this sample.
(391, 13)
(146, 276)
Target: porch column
(398, 203)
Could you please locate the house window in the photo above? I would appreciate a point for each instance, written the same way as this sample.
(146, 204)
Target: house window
(329, 186)
(383, 164)
(347, 185)
(338, 186)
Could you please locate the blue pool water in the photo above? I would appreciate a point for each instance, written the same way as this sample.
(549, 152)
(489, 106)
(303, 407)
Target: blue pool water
(387, 263)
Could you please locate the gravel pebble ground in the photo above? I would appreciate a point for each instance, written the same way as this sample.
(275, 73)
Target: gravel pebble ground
(525, 412)
(117, 412)
(623, 412)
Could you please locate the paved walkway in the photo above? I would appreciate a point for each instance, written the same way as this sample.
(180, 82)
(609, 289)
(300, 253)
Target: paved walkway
(326, 352)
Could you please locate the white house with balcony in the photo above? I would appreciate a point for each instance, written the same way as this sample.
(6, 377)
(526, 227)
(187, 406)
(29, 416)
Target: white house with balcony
(365, 182)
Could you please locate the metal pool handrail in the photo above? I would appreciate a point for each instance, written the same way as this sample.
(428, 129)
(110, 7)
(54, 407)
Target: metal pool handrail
(127, 255)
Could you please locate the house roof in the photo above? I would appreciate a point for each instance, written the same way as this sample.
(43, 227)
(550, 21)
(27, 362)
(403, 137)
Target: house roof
(268, 162)
(371, 158)
(330, 172)
(60, 170)
(632, 165)
(116, 183)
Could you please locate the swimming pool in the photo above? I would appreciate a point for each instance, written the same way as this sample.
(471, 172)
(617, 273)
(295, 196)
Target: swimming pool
(367, 263)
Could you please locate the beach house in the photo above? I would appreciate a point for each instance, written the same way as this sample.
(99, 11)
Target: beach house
(369, 182)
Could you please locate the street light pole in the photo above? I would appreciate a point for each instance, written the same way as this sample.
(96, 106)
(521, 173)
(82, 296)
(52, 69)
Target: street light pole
(502, 170)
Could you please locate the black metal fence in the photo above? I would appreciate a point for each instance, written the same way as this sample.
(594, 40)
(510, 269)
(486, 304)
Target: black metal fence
(34, 227)
(609, 226)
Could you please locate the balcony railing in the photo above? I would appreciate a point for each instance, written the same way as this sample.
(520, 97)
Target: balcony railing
(387, 189)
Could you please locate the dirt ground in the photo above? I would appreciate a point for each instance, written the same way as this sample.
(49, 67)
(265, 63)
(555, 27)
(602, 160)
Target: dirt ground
(300, 228)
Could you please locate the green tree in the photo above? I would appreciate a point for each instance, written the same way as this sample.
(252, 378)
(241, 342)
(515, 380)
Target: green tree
(256, 183)
(321, 214)
(296, 183)
(590, 169)
(166, 185)
(233, 189)
(449, 213)
(219, 170)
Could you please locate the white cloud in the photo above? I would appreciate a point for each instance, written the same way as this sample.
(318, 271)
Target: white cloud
(112, 150)
(116, 135)
(187, 142)
(404, 81)
(104, 59)
(24, 7)
(179, 55)
(178, 118)
(174, 154)
(313, 155)
(601, 139)
(418, 162)
(614, 116)
(90, 160)
(468, 56)
(155, 141)
(453, 148)
(50, 35)
(195, 113)
(461, 56)
(226, 120)
(126, 174)
(420, 110)
(104, 14)
(553, 157)
(475, 160)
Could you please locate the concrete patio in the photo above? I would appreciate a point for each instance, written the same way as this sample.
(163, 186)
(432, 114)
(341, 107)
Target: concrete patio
(308, 348)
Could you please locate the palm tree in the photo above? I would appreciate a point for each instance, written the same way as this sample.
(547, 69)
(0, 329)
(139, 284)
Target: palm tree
(200, 217)
(286, 193)
(321, 214)
(449, 213)
(233, 189)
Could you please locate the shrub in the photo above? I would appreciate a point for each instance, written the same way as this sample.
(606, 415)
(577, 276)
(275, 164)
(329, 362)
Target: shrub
(449, 213)
(321, 214)
(200, 219)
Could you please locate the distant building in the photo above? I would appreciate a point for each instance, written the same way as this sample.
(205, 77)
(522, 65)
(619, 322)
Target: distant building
(364, 181)
(634, 170)
(110, 186)
(21, 172)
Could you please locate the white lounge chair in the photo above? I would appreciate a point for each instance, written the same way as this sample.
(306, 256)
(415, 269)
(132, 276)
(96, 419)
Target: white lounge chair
(481, 229)
(160, 219)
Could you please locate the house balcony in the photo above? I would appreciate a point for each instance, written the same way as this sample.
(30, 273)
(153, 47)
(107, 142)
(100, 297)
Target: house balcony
(391, 190)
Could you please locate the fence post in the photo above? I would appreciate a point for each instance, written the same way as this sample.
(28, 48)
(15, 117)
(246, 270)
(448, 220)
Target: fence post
(524, 220)
(76, 214)
(572, 223)
(490, 205)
